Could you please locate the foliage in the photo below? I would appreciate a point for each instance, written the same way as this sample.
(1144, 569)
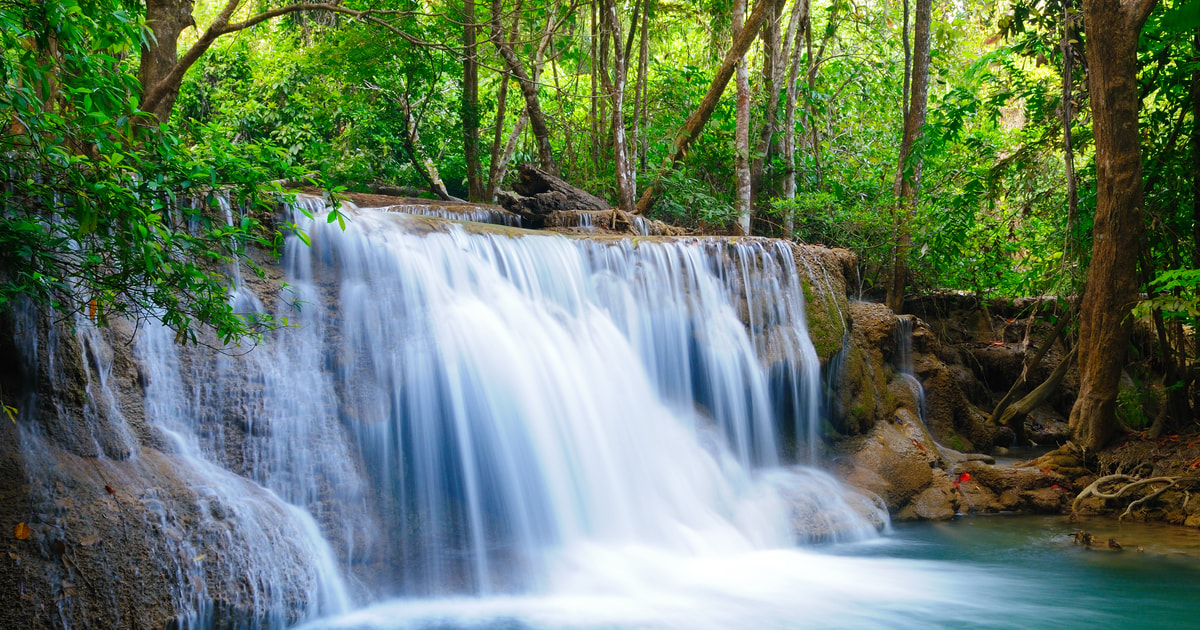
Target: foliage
(1178, 295)
(101, 213)
(1131, 408)
(689, 202)
(858, 223)
(323, 93)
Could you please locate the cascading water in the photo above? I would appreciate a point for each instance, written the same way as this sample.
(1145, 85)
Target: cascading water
(904, 361)
(569, 433)
(510, 396)
(478, 214)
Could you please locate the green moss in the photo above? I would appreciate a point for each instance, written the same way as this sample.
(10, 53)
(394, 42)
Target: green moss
(956, 443)
(824, 321)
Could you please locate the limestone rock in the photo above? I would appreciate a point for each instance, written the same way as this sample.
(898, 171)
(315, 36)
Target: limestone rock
(895, 461)
(938, 502)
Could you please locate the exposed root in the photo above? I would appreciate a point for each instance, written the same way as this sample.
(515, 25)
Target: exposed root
(1131, 484)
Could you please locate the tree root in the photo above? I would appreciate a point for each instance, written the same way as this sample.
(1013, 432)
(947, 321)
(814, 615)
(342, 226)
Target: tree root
(1132, 483)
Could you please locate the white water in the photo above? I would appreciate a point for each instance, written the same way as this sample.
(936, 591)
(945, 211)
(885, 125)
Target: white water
(512, 398)
(904, 362)
(569, 433)
(478, 214)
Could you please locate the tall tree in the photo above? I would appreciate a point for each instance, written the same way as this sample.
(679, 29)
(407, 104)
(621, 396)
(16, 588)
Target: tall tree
(1195, 94)
(1112, 28)
(1068, 116)
(502, 152)
(470, 104)
(799, 17)
(529, 89)
(908, 168)
(741, 148)
(615, 86)
(695, 123)
(776, 50)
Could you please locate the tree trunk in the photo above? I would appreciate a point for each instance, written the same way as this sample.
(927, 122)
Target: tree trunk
(533, 106)
(1068, 116)
(501, 159)
(1014, 416)
(908, 169)
(639, 90)
(813, 137)
(1029, 366)
(616, 95)
(470, 105)
(166, 20)
(695, 122)
(741, 149)
(1112, 29)
(799, 16)
(1196, 190)
(493, 182)
(774, 59)
(416, 151)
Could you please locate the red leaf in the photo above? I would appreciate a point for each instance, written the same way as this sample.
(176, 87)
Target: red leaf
(22, 531)
(109, 489)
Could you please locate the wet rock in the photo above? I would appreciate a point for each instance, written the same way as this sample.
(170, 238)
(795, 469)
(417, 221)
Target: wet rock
(951, 417)
(861, 378)
(894, 461)
(1045, 500)
(990, 488)
(936, 503)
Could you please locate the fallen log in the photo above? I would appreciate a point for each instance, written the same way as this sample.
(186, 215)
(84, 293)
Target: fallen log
(537, 193)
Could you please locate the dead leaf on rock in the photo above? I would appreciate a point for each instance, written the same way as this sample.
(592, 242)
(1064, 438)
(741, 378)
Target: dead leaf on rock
(22, 531)
(88, 541)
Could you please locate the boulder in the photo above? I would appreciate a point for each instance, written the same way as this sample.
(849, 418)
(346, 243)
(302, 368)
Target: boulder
(895, 461)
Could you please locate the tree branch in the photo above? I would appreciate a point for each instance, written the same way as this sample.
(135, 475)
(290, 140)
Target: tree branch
(1138, 11)
(221, 26)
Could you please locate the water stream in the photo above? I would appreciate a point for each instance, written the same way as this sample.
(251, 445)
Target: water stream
(904, 362)
(491, 430)
(483, 415)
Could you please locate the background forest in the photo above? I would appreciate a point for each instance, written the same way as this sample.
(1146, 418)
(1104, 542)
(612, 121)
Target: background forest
(951, 139)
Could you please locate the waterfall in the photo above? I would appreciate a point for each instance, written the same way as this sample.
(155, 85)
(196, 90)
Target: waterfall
(461, 412)
(904, 362)
(513, 396)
